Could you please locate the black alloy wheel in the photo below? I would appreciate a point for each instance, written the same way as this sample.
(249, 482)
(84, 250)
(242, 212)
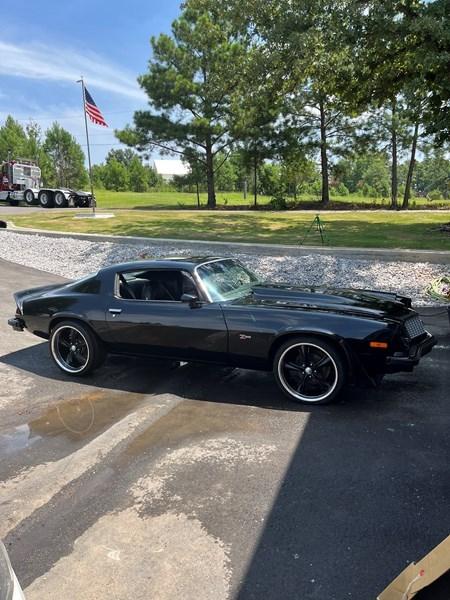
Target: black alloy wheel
(75, 349)
(309, 370)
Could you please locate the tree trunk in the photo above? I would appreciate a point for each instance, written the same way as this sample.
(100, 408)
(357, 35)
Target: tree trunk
(210, 175)
(198, 195)
(324, 156)
(255, 179)
(412, 164)
(394, 174)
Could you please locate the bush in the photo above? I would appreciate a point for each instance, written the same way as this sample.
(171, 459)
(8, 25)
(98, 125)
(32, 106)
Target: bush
(340, 190)
(315, 188)
(368, 191)
(278, 202)
(435, 195)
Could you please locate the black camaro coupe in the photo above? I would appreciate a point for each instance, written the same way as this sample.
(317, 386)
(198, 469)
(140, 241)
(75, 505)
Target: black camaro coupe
(215, 310)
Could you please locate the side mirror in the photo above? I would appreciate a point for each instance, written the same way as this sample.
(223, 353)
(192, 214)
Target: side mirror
(191, 299)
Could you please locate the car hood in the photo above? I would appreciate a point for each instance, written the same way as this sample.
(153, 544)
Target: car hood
(367, 303)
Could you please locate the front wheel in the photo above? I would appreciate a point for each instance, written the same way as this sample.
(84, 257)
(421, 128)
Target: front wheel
(309, 370)
(75, 348)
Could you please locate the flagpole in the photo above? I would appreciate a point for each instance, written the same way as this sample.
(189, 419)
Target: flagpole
(87, 141)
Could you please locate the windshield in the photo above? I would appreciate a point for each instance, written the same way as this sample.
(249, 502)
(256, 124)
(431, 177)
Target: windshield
(226, 279)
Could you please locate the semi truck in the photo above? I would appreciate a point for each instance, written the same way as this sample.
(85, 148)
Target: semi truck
(20, 181)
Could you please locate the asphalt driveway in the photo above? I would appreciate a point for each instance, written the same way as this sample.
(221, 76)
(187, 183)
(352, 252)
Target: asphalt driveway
(150, 480)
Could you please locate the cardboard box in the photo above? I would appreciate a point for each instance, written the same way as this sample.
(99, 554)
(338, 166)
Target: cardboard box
(421, 575)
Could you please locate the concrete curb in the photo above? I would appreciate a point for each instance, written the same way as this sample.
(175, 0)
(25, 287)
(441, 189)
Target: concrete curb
(431, 256)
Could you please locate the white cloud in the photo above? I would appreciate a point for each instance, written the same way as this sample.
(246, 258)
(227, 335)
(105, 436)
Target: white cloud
(39, 61)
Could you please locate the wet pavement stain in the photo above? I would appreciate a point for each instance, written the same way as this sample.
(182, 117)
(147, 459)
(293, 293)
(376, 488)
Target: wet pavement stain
(84, 416)
(191, 420)
(64, 427)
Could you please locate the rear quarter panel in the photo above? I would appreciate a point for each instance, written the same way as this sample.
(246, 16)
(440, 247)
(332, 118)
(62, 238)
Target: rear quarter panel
(39, 313)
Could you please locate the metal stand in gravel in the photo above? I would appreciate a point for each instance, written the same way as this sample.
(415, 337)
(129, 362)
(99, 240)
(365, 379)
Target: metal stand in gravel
(319, 228)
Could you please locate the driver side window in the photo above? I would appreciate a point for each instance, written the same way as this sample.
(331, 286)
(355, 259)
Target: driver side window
(166, 286)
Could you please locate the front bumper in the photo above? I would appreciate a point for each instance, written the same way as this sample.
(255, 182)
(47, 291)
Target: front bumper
(407, 362)
(16, 323)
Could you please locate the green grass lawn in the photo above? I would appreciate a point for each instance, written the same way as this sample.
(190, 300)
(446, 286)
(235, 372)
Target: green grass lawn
(168, 200)
(377, 229)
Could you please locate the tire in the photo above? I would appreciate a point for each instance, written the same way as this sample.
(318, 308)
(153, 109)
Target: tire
(29, 198)
(13, 202)
(46, 199)
(60, 200)
(75, 349)
(299, 375)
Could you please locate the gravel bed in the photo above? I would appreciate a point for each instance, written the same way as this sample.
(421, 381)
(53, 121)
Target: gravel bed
(74, 258)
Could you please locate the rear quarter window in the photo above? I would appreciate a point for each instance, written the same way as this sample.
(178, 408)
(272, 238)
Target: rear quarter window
(87, 286)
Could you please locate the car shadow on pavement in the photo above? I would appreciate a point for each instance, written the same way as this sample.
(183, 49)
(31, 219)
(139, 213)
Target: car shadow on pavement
(192, 381)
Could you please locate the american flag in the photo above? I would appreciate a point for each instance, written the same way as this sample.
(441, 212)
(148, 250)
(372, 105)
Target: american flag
(92, 111)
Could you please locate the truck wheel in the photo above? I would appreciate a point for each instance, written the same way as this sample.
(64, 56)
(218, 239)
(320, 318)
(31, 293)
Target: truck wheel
(29, 197)
(13, 202)
(60, 200)
(46, 199)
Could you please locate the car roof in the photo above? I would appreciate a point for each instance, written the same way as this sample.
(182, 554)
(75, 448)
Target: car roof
(187, 263)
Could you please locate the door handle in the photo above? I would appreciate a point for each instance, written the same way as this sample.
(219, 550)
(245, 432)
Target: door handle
(115, 311)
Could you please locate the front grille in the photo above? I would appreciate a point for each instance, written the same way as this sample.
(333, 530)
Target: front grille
(414, 327)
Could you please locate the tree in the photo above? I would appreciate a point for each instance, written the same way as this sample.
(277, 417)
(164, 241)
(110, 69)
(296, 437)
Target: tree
(153, 179)
(309, 59)
(433, 173)
(321, 123)
(138, 175)
(270, 179)
(13, 139)
(432, 57)
(67, 158)
(226, 176)
(192, 77)
(98, 176)
(369, 171)
(122, 155)
(116, 176)
(297, 171)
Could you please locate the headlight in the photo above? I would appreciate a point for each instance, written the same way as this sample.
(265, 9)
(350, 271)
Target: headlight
(9, 586)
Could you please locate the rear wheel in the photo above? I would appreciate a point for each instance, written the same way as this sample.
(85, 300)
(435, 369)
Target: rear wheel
(75, 348)
(60, 200)
(309, 370)
(46, 199)
(29, 197)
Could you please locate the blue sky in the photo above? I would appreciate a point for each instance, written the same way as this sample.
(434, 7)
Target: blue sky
(46, 45)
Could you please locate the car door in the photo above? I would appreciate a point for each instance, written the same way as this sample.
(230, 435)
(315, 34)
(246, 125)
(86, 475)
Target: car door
(168, 328)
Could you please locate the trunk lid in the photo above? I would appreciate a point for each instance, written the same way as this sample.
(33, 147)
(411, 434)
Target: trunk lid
(35, 292)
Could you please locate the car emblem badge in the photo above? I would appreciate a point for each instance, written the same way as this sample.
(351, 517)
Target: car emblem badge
(242, 336)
